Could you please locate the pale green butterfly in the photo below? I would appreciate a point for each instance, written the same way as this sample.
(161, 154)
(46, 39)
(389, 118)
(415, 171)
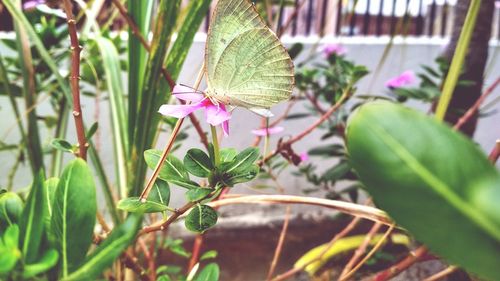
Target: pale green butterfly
(246, 64)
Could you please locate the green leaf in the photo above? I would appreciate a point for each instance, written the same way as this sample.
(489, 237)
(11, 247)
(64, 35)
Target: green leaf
(8, 247)
(31, 218)
(242, 161)
(160, 192)
(433, 181)
(239, 176)
(135, 205)
(11, 208)
(212, 254)
(227, 154)
(197, 194)
(62, 145)
(48, 260)
(209, 273)
(172, 171)
(73, 215)
(109, 250)
(201, 218)
(198, 163)
(92, 130)
(336, 172)
(50, 186)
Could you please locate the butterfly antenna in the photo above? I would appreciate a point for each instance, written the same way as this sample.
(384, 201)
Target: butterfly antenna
(194, 90)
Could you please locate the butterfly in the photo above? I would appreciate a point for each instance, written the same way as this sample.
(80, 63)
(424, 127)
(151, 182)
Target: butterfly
(245, 63)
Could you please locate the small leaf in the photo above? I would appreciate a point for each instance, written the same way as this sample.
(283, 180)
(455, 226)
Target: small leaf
(172, 171)
(50, 186)
(62, 145)
(212, 254)
(135, 205)
(160, 193)
(210, 272)
(197, 194)
(91, 131)
(30, 223)
(239, 176)
(227, 154)
(201, 218)
(73, 215)
(242, 161)
(198, 163)
(8, 247)
(109, 250)
(11, 208)
(48, 260)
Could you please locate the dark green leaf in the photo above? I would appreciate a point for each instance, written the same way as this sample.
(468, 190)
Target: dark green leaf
(197, 194)
(109, 250)
(11, 208)
(90, 132)
(48, 260)
(33, 215)
(201, 218)
(198, 163)
(432, 180)
(171, 169)
(209, 273)
(135, 205)
(336, 172)
(242, 161)
(160, 193)
(240, 176)
(73, 215)
(297, 116)
(62, 145)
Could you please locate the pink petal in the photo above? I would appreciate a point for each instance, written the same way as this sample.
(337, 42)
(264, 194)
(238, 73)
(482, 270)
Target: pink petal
(178, 111)
(225, 128)
(404, 79)
(304, 157)
(268, 131)
(187, 94)
(216, 115)
(334, 49)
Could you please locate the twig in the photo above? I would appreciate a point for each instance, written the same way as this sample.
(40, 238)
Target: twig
(279, 246)
(495, 153)
(366, 212)
(475, 108)
(370, 254)
(359, 251)
(290, 19)
(394, 270)
(442, 274)
(314, 102)
(166, 75)
(74, 79)
(335, 238)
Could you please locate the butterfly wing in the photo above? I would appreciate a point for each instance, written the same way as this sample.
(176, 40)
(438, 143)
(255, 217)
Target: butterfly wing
(246, 63)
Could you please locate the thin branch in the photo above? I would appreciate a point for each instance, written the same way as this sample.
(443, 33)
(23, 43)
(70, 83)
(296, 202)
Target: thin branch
(75, 80)
(330, 244)
(394, 270)
(357, 210)
(360, 251)
(171, 83)
(475, 108)
(495, 153)
(442, 274)
(279, 246)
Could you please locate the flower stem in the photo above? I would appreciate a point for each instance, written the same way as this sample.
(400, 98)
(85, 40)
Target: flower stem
(266, 138)
(215, 142)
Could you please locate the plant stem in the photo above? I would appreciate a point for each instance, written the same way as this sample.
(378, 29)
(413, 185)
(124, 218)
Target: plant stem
(458, 59)
(169, 145)
(215, 142)
(394, 270)
(442, 274)
(74, 79)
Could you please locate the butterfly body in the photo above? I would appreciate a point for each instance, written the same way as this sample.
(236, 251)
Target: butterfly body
(246, 65)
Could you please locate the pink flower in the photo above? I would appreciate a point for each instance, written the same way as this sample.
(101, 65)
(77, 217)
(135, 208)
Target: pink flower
(304, 157)
(215, 114)
(267, 131)
(404, 79)
(337, 49)
(30, 5)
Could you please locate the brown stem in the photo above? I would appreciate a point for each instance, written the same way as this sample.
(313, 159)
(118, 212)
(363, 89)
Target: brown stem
(475, 108)
(330, 244)
(131, 262)
(495, 153)
(360, 250)
(279, 246)
(74, 80)
(442, 274)
(171, 83)
(394, 270)
(289, 21)
(314, 102)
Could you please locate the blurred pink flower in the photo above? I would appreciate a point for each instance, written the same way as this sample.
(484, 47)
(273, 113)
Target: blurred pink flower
(215, 114)
(334, 48)
(404, 79)
(267, 131)
(29, 5)
(304, 157)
